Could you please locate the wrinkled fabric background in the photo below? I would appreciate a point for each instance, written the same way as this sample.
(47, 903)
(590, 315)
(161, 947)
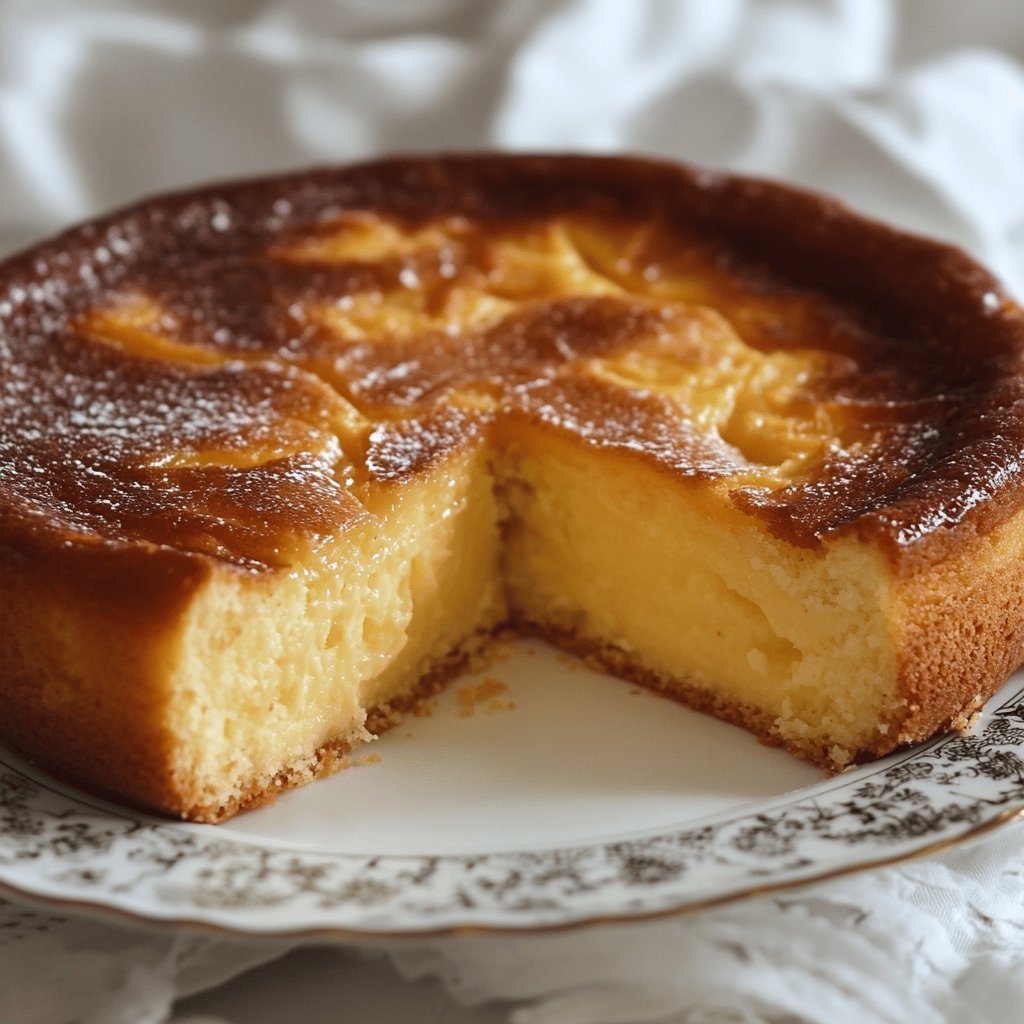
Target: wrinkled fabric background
(912, 110)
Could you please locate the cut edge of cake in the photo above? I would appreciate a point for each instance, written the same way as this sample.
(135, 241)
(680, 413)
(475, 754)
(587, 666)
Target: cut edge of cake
(606, 556)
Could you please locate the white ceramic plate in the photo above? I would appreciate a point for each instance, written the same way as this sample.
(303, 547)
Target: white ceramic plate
(537, 794)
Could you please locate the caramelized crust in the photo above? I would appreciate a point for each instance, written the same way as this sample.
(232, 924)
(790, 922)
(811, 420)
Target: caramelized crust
(205, 372)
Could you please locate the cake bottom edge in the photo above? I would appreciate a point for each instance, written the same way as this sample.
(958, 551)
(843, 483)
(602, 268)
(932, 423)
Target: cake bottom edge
(478, 651)
(821, 751)
(472, 654)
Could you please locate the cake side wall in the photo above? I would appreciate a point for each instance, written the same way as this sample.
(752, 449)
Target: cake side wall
(962, 632)
(86, 652)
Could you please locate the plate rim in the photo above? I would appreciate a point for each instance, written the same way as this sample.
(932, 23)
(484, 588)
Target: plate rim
(992, 753)
(111, 913)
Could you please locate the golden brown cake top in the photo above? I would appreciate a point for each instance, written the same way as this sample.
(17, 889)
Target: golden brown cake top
(228, 371)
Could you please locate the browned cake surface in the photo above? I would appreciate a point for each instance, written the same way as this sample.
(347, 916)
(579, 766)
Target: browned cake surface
(225, 377)
(213, 425)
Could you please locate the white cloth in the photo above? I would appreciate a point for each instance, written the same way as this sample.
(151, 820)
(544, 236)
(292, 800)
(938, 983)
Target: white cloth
(913, 111)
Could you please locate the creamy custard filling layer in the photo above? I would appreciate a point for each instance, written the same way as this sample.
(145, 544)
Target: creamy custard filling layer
(798, 644)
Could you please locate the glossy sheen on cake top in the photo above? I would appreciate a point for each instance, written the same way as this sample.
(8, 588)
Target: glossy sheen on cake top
(237, 371)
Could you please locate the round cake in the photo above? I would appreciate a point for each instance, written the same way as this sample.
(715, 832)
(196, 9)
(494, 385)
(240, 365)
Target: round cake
(279, 457)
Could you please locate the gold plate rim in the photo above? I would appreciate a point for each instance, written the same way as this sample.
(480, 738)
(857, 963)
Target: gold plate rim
(118, 915)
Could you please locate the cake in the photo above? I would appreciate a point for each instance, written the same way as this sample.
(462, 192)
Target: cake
(278, 458)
